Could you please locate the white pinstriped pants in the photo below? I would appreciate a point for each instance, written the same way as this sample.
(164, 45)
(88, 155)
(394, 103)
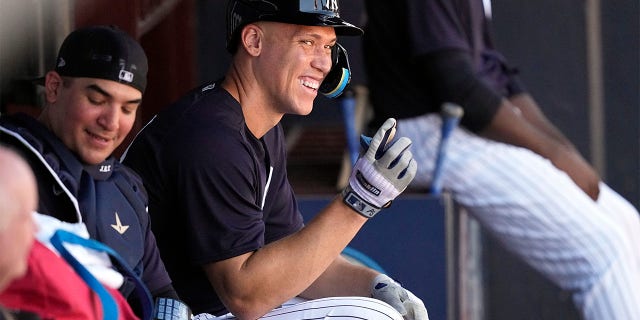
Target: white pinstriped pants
(336, 308)
(586, 247)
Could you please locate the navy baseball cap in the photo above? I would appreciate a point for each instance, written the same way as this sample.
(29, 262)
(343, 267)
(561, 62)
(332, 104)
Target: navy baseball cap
(103, 52)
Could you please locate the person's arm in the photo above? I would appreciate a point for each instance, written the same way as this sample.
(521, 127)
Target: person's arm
(517, 121)
(254, 283)
(520, 122)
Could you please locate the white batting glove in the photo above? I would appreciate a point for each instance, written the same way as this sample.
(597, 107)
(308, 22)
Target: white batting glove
(382, 173)
(406, 303)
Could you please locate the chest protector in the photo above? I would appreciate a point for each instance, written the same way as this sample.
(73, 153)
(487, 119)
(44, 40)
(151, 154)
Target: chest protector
(108, 198)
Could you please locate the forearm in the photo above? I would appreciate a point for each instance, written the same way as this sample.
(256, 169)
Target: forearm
(342, 278)
(259, 281)
(532, 113)
(510, 126)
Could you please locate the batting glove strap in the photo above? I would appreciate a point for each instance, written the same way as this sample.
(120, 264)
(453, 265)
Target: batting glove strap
(358, 204)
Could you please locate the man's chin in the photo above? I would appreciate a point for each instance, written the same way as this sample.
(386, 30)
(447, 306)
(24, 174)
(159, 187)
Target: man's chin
(93, 158)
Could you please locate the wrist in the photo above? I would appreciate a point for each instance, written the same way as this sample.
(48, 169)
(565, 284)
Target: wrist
(358, 204)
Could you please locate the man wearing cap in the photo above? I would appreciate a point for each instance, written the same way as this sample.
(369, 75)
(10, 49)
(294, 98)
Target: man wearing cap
(91, 99)
(224, 212)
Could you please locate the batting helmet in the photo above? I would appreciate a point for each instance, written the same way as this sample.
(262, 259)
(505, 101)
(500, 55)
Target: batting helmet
(301, 12)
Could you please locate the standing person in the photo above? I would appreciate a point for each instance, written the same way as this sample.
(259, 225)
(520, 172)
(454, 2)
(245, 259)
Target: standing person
(92, 97)
(507, 165)
(214, 165)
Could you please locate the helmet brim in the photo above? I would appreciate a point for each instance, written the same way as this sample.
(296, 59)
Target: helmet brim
(342, 27)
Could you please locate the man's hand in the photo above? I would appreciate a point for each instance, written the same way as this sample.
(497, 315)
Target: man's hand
(581, 172)
(382, 173)
(406, 303)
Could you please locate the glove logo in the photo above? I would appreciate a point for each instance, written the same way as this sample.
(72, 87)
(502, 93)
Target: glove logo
(380, 285)
(360, 205)
(368, 186)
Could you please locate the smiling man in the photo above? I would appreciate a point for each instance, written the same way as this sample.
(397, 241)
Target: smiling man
(214, 164)
(91, 99)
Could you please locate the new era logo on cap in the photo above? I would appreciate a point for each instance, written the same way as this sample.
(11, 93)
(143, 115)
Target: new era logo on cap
(125, 76)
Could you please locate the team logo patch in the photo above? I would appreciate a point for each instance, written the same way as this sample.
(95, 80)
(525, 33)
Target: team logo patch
(119, 227)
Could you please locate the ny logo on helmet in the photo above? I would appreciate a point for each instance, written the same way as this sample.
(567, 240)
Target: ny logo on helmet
(331, 5)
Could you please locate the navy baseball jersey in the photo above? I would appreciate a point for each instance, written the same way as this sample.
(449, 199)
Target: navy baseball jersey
(109, 198)
(215, 190)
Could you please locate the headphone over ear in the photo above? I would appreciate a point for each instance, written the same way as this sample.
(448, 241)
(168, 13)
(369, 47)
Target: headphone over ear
(340, 74)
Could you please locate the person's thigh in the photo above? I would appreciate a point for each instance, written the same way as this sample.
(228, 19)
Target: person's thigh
(524, 201)
(334, 308)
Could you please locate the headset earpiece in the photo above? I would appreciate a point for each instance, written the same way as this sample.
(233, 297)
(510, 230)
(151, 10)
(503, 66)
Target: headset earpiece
(340, 74)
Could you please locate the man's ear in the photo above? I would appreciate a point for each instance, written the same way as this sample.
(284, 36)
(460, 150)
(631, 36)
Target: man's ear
(251, 38)
(52, 86)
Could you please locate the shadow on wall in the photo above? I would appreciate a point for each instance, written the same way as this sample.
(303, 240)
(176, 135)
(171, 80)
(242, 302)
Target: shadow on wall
(27, 48)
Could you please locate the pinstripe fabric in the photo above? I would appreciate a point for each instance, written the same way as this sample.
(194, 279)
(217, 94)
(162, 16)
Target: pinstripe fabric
(586, 247)
(336, 308)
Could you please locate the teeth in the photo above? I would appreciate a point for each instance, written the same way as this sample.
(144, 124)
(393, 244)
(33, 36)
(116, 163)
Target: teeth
(310, 84)
(98, 137)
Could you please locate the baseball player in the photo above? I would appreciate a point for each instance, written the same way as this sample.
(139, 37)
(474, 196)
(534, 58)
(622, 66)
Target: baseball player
(92, 97)
(223, 210)
(507, 164)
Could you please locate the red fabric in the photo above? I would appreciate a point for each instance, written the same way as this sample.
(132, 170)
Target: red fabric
(53, 290)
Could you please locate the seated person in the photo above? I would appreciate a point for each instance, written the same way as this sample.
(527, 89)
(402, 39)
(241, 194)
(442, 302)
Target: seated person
(18, 201)
(91, 100)
(214, 164)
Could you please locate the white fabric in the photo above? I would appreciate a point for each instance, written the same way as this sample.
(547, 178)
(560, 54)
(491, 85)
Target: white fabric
(386, 289)
(337, 308)
(98, 263)
(589, 248)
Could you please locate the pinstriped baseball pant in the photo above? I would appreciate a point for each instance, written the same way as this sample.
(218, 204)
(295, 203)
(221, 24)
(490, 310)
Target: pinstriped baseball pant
(586, 247)
(336, 308)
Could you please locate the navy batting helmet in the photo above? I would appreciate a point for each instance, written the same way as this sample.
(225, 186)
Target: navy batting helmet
(301, 12)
